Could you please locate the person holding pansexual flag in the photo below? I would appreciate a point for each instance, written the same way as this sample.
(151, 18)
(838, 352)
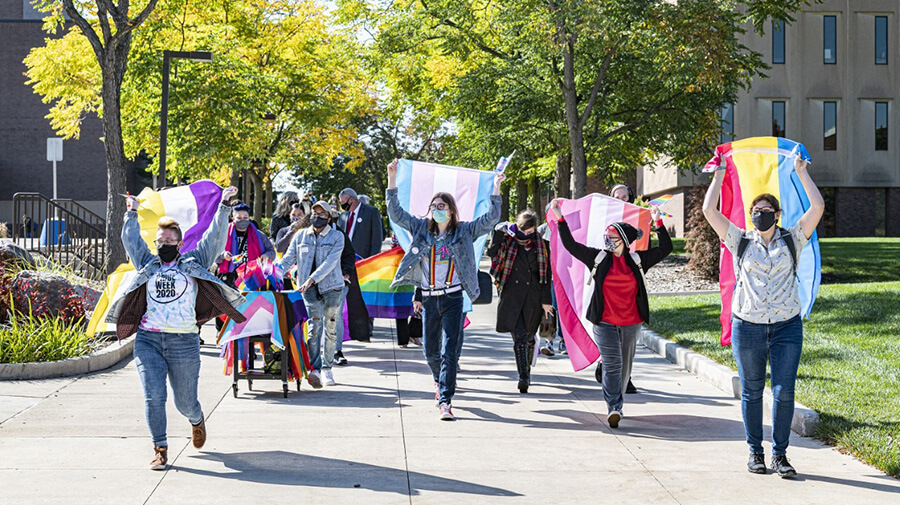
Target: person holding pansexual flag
(766, 274)
(441, 260)
(618, 297)
(245, 245)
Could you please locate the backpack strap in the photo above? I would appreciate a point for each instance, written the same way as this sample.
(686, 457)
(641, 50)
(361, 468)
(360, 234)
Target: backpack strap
(599, 259)
(786, 237)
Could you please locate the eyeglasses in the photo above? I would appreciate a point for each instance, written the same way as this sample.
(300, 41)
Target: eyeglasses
(160, 243)
(439, 206)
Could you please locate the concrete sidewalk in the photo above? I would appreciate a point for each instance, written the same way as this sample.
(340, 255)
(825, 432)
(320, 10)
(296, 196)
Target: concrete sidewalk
(376, 438)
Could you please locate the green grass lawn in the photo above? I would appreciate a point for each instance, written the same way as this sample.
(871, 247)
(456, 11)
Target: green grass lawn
(850, 368)
(864, 259)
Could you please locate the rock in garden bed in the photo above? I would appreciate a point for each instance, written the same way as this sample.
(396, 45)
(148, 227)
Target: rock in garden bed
(672, 275)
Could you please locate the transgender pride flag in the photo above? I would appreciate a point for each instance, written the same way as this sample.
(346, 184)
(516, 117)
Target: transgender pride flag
(588, 218)
(417, 182)
(193, 206)
(764, 165)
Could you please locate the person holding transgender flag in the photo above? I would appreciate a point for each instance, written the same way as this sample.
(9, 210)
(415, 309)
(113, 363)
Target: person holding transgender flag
(766, 324)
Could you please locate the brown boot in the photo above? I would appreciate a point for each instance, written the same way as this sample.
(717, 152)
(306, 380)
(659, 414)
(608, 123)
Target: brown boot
(198, 433)
(159, 462)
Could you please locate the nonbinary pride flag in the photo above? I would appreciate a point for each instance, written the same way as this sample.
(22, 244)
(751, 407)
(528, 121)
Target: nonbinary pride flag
(588, 218)
(417, 182)
(193, 206)
(764, 165)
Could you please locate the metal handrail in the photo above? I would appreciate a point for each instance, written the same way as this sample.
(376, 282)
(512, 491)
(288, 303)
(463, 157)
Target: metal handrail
(69, 233)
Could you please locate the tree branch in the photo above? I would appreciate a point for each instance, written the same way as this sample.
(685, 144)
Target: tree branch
(468, 35)
(104, 22)
(598, 83)
(134, 23)
(114, 11)
(86, 29)
(647, 115)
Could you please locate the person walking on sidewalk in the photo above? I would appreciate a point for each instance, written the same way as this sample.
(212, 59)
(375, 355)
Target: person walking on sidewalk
(317, 253)
(520, 265)
(441, 261)
(626, 194)
(619, 303)
(171, 296)
(766, 323)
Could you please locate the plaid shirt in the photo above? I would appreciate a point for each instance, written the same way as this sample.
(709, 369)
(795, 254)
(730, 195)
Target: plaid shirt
(502, 263)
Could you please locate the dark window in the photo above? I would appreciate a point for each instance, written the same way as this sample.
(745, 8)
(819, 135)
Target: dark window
(778, 126)
(881, 40)
(727, 123)
(777, 41)
(881, 126)
(829, 27)
(830, 129)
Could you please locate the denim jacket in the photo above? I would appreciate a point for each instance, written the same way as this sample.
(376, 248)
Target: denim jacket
(461, 244)
(195, 263)
(326, 247)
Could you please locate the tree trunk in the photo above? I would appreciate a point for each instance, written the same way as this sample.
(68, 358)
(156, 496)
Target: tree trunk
(563, 175)
(113, 71)
(504, 205)
(269, 197)
(536, 199)
(521, 194)
(257, 199)
(573, 122)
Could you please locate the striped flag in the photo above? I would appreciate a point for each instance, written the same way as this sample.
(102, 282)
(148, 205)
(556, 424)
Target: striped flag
(375, 276)
(764, 165)
(193, 206)
(588, 218)
(417, 182)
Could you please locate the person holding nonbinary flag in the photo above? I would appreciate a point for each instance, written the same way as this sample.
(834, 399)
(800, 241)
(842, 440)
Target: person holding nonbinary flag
(766, 324)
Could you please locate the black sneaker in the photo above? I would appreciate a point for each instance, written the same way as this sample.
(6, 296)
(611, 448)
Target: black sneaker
(339, 358)
(756, 463)
(598, 373)
(630, 389)
(782, 467)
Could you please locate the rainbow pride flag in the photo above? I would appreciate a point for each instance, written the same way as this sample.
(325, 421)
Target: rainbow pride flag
(375, 275)
(588, 218)
(764, 165)
(194, 206)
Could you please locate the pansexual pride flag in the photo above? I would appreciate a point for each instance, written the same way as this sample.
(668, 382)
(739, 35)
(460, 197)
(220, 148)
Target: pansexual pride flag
(193, 206)
(375, 275)
(418, 181)
(763, 165)
(588, 218)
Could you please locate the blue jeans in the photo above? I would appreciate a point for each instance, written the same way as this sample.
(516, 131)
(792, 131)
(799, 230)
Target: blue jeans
(323, 316)
(339, 339)
(176, 355)
(443, 324)
(616, 345)
(780, 344)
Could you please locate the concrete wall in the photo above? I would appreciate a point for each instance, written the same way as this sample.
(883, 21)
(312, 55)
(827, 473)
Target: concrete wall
(24, 129)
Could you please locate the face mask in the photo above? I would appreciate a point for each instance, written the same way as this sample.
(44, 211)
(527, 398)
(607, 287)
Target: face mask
(440, 216)
(763, 220)
(242, 225)
(168, 252)
(345, 206)
(319, 222)
(522, 236)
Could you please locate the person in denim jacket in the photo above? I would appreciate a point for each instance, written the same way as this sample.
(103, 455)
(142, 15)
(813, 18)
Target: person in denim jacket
(170, 297)
(441, 261)
(316, 251)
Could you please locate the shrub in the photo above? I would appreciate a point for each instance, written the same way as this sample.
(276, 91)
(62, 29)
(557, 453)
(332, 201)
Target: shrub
(701, 241)
(28, 338)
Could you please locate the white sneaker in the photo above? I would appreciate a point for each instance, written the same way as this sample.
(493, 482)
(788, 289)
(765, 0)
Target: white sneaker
(315, 380)
(329, 378)
(613, 418)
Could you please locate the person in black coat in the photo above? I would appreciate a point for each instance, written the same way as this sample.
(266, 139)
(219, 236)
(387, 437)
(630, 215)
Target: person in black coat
(358, 324)
(619, 302)
(520, 264)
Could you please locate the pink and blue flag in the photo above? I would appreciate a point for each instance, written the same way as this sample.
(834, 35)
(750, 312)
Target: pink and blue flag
(588, 218)
(764, 165)
(417, 182)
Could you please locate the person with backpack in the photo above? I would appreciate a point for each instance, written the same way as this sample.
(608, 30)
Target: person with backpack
(619, 302)
(766, 324)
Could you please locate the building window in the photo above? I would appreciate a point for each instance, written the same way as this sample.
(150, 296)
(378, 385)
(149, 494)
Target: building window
(727, 123)
(777, 41)
(829, 28)
(881, 40)
(778, 120)
(881, 126)
(830, 123)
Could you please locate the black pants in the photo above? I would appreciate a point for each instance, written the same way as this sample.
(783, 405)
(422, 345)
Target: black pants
(402, 331)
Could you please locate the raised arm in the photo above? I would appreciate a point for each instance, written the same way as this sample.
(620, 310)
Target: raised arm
(810, 219)
(135, 247)
(581, 252)
(716, 219)
(663, 248)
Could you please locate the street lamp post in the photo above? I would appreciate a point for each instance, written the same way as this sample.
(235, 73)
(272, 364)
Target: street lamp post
(164, 116)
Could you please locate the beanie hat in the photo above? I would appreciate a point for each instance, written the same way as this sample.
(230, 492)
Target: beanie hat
(627, 232)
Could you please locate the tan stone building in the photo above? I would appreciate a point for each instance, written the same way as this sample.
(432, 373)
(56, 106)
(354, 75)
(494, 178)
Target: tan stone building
(833, 83)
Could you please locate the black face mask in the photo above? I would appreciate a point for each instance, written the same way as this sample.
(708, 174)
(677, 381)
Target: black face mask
(345, 206)
(168, 253)
(522, 236)
(319, 222)
(763, 220)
